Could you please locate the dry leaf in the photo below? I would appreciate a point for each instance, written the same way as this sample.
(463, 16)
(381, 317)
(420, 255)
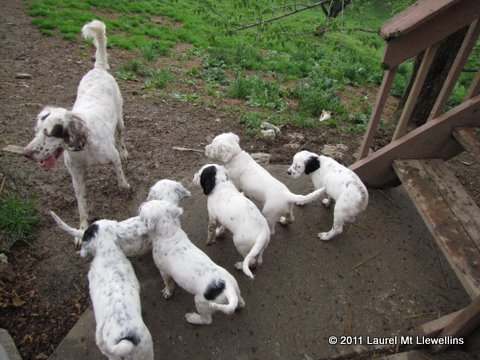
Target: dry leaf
(16, 300)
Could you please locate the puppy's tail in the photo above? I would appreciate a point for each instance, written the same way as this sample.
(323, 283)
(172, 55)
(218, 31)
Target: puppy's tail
(217, 287)
(305, 199)
(260, 244)
(124, 346)
(75, 232)
(96, 30)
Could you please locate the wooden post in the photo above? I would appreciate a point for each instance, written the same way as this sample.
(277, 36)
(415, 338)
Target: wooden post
(382, 96)
(457, 66)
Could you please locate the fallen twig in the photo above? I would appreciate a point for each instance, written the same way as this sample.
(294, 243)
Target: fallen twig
(365, 261)
(436, 283)
(186, 149)
(15, 149)
(389, 199)
(418, 315)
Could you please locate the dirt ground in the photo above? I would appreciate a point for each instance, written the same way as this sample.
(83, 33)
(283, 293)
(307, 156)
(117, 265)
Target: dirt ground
(47, 292)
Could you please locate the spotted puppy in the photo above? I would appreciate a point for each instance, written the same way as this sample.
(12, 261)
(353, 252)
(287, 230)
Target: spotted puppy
(181, 262)
(230, 208)
(132, 234)
(256, 182)
(115, 293)
(340, 183)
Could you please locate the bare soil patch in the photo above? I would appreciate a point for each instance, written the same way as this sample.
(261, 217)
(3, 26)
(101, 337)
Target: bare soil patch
(47, 290)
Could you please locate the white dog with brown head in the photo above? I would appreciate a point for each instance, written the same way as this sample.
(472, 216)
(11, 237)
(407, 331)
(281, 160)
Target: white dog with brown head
(256, 182)
(340, 183)
(230, 208)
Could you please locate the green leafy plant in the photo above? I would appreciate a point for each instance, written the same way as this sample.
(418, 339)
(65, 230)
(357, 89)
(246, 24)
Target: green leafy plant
(17, 220)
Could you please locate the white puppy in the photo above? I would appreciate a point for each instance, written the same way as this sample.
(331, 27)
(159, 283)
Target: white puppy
(339, 182)
(230, 208)
(115, 294)
(181, 262)
(256, 182)
(87, 132)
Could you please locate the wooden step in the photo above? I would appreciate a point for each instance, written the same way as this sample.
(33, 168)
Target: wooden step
(469, 138)
(451, 215)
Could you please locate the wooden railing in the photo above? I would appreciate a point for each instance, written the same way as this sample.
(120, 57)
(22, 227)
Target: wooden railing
(422, 27)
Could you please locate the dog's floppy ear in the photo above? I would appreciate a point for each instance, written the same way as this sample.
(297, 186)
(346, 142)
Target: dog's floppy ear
(174, 211)
(182, 192)
(75, 133)
(311, 164)
(208, 178)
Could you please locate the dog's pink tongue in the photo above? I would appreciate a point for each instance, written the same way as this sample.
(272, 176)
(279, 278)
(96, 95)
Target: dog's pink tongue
(49, 163)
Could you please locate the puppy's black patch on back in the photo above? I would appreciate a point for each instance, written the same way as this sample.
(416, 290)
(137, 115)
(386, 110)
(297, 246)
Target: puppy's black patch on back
(130, 336)
(214, 289)
(312, 164)
(90, 233)
(207, 179)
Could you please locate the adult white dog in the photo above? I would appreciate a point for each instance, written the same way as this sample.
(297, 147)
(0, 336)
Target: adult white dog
(230, 208)
(256, 182)
(340, 183)
(181, 262)
(115, 293)
(87, 132)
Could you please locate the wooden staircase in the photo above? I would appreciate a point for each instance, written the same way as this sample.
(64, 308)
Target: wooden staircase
(453, 218)
(418, 158)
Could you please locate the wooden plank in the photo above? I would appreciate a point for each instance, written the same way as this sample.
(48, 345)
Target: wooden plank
(461, 204)
(463, 324)
(412, 17)
(422, 180)
(431, 140)
(382, 96)
(430, 32)
(469, 137)
(415, 91)
(435, 327)
(474, 88)
(457, 66)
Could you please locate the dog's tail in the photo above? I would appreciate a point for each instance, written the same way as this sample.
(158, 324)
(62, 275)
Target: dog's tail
(125, 345)
(217, 287)
(305, 199)
(75, 232)
(96, 30)
(260, 244)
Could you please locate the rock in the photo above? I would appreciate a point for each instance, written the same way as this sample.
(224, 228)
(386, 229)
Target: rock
(6, 269)
(335, 151)
(23, 76)
(267, 126)
(261, 158)
(292, 145)
(268, 133)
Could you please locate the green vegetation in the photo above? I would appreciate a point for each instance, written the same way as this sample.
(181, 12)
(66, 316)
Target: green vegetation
(280, 68)
(17, 220)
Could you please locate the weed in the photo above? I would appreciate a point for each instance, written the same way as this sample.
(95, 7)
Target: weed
(17, 220)
(158, 79)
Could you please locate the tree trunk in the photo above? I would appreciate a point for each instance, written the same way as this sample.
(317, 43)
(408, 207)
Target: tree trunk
(331, 10)
(436, 76)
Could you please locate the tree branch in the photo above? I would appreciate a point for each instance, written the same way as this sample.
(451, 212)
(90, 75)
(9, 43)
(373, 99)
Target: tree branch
(307, 7)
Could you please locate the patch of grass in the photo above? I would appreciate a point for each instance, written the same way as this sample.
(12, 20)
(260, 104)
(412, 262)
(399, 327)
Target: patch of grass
(158, 79)
(257, 92)
(17, 220)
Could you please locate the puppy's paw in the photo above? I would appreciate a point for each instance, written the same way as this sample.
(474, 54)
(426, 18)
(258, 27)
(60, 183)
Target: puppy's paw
(239, 265)
(283, 220)
(194, 318)
(78, 242)
(167, 293)
(123, 154)
(220, 231)
(325, 236)
(327, 202)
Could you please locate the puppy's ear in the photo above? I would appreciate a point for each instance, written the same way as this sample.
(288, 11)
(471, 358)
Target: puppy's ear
(174, 211)
(208, 178)
(75, 133)
(312, 164)
(182, 192)
(88, 246)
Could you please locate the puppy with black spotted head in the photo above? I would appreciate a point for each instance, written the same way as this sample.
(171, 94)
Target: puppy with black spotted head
(181, 262)
(256, 182)
(340, 183)
(230, 208)
(114, 292)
